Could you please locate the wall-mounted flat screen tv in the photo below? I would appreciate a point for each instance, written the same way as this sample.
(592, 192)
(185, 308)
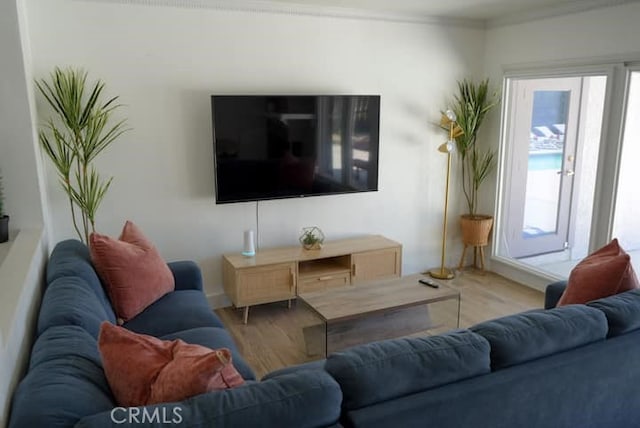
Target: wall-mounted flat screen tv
(277, 146)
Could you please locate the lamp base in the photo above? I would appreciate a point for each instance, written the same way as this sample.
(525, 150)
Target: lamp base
(441, 273)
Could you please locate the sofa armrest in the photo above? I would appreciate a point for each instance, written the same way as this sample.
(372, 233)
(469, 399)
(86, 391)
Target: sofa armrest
(307, 399)
(187, 275)
(552, 294)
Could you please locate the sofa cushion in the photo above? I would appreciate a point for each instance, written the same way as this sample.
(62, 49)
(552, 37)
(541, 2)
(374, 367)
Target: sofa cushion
(59, 341)
(309, 399)
(215, 338)
(622, 312)
(144, 370)
(71, 258)
(70, 301)
(530, 335)
(176, 311)
(311, 365)
(131, 269)
(385, 370)
(64, 384)
(606, 272)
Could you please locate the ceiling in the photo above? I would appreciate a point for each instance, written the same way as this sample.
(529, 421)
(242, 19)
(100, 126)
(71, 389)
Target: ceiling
(483, 10)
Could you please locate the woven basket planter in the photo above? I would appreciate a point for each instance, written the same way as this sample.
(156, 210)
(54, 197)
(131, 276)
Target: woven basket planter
(476, 229)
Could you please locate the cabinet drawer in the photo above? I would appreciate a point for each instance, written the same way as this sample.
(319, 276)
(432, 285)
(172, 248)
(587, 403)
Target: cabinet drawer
(323, 282)
(266, 284)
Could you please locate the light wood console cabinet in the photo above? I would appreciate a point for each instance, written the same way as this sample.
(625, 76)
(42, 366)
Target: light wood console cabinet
(278, 274)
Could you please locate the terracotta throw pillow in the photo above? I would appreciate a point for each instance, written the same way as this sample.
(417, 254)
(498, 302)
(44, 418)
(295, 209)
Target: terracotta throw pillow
(132, 271)
(144, 370)
(604, 273)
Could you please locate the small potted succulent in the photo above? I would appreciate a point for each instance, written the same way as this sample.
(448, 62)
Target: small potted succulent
(311, 238)
(4, 219)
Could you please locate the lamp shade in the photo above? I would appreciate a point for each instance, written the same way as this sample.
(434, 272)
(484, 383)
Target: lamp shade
(450, 115)
(447, 147)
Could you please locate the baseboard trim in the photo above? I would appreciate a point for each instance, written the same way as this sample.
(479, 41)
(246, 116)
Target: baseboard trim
(533, 278)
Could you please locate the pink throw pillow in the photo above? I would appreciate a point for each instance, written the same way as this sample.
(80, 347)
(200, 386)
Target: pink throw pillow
(604, 273)
(144, 370)
(132, 270)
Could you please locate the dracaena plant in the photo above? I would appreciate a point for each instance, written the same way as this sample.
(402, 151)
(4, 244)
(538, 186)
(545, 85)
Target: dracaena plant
(471, 105)
(80, 129)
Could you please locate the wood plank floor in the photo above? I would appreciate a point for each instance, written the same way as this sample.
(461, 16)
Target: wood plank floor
(273, 338)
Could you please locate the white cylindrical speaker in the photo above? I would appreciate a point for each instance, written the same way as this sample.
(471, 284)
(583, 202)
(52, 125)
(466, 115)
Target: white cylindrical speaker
(249, 244)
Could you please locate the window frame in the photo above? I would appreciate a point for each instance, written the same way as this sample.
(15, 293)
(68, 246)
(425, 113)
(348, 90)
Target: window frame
(618, 74)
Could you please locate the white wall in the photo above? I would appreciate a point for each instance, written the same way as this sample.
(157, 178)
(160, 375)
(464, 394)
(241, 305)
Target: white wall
(21, 270)
(165, 62)
(597, 33)
(18, 161)
(600, 34)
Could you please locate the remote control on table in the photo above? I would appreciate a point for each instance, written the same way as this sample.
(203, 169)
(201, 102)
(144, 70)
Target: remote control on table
(428, 283)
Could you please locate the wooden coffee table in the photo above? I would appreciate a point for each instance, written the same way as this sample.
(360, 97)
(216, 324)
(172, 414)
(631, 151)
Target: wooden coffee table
(356, 314)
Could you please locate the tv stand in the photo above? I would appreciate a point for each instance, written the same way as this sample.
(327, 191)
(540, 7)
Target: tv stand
(279, 274)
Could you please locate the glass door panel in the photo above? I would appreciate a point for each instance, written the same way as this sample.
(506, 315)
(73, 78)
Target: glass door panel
(544, 201)
(543, 155)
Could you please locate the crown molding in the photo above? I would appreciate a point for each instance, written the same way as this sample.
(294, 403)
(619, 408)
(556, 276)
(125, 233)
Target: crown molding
(275, 7)
(572, 7)
(281, 8)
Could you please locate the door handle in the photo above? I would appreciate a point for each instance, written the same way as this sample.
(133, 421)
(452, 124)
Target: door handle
(567, 172)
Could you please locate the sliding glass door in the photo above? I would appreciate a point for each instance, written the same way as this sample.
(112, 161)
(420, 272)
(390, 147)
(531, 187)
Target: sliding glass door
(550, 145)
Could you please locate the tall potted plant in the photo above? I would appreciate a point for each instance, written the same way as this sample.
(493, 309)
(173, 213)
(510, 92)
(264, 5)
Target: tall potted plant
(4, 218)
(78, 132)
(471, 105)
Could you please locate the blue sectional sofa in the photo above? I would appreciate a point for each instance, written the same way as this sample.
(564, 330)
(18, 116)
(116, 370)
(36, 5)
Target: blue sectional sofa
(567, 367)
(65, 385)
(574, 366)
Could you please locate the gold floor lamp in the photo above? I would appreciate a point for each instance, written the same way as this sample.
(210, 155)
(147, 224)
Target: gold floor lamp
(448, 120)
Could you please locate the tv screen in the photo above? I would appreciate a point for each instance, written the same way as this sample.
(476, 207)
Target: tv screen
(268, 147)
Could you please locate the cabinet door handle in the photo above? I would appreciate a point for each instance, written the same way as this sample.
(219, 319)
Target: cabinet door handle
(325, 278)
(353, 269)
(293, 279)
